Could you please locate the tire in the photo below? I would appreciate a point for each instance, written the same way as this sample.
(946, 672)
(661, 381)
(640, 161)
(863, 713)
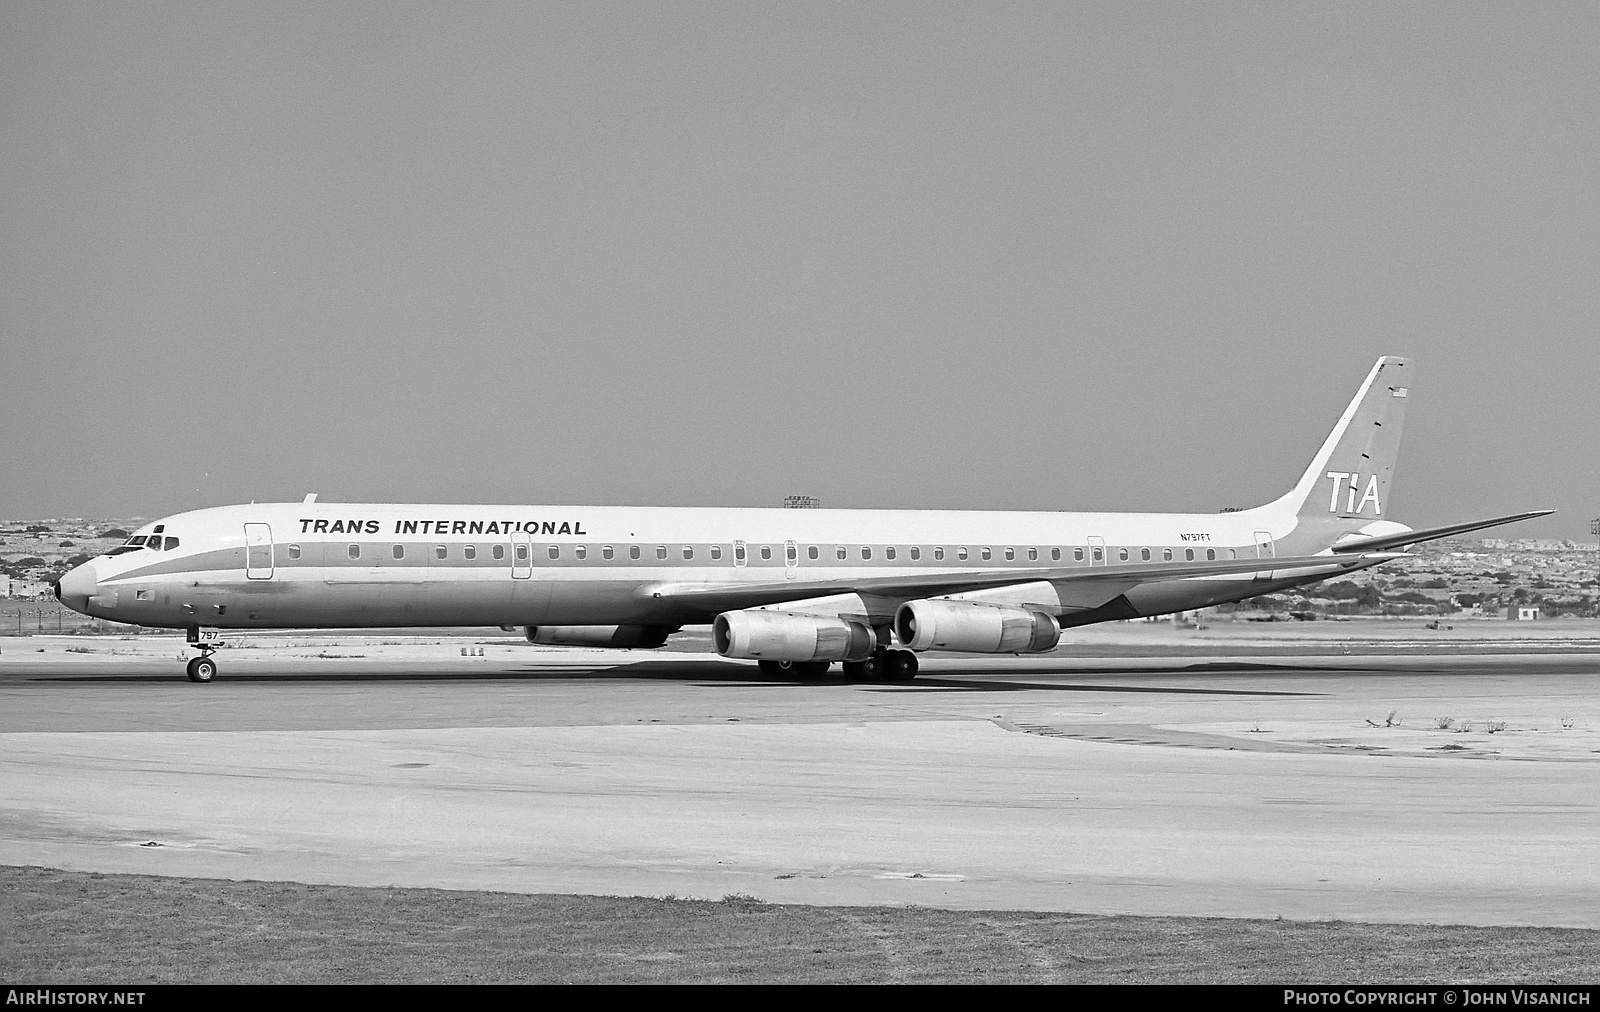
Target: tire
(868, 669)
(812, 669)
(901, 666)
(770, 668)
(202, 669)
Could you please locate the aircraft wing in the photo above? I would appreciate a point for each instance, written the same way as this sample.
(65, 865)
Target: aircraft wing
(1387, 541)
(714, 597)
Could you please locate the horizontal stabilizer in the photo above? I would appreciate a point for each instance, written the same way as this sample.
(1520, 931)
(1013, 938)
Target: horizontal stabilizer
(1387, 541)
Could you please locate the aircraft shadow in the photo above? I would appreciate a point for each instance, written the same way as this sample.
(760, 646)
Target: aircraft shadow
(726, 674)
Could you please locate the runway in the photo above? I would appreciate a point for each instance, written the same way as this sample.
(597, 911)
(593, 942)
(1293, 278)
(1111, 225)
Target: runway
(1304, 787)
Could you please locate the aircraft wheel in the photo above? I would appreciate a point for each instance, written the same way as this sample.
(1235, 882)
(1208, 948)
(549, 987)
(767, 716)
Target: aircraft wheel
(901, 666)
(869, 669)
(812, 669)
(769, 667)
(202, 669)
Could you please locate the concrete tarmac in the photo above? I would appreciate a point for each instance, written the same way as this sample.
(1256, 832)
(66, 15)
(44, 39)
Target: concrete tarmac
(1305, 787)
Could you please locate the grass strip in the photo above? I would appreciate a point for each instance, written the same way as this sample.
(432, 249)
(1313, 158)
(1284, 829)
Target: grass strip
(90, 928)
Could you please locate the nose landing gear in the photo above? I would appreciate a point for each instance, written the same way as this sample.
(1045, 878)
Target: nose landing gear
(203, 668)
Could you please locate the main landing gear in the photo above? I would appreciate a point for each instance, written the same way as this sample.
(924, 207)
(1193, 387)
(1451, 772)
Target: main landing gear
(883, 666)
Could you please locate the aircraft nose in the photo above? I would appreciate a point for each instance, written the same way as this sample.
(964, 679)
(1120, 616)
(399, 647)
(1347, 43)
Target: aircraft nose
(76, 586)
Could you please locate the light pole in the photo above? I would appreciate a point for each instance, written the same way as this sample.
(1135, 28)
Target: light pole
(1594, 528)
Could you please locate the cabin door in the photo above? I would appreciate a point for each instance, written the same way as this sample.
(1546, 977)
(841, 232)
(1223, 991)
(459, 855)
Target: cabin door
(1097, 551)
(1265, 550)
(258, 551)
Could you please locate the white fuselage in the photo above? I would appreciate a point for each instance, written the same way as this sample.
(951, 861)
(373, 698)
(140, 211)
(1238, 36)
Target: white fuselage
(322, 565)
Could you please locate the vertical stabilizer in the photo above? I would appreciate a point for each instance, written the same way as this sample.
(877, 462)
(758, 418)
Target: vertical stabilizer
(1351, 476)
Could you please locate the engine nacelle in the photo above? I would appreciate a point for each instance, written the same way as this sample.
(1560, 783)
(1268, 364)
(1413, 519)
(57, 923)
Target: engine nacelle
(978, 628)
(779, 636)
(642, 636)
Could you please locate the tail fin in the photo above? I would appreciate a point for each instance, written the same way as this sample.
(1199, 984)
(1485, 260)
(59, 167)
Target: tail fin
(1350, 477)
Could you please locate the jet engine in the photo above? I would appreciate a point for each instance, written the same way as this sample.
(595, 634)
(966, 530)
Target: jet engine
(976, 627)
(643, 636)
(779, 636)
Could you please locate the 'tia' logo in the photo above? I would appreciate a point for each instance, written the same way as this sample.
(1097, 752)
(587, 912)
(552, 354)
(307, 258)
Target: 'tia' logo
(1351, 481)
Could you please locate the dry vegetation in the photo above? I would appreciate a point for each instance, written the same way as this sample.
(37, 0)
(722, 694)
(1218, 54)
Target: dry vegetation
(68, 927)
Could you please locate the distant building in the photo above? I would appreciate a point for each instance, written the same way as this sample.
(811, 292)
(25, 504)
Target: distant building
(1523, 613)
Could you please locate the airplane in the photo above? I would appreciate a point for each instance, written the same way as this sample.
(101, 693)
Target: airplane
(793, 589)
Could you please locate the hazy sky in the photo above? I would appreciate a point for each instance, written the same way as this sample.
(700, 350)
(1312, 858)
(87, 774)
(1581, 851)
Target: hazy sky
(1040, 256)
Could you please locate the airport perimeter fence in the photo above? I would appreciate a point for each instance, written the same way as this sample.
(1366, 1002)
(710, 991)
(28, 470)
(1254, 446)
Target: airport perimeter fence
(24, 618)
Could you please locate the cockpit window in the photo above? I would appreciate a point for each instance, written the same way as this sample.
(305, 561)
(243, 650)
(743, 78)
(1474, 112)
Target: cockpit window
(136, 541)
(170, 545)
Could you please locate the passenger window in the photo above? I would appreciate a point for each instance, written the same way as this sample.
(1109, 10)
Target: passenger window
(522, 553)
(738, 552)
(1099, 555)
(1211, 554)
(581, 552)
(888, 553)
(986, 555)
(961, 553)
(440, 552)
(938, 554)
(606, 553)
(811, 552)
(471, 552)
(1144, 553)
(688, 552)
(1077, 555)
(1166, 555)
(1188, 555)
(916, 552)
(294, 551)
(661, 551)
(1055, 555)
(555, 551)
(399, 552)
(1033, 555)
(1011, 553)
(866, 553)
(499, 552)
(1122, 555)
(355, 551)
(766, 552)
(1233, 553)
(792, 553)
(716, 551)
(840, 553)
(633, 552)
